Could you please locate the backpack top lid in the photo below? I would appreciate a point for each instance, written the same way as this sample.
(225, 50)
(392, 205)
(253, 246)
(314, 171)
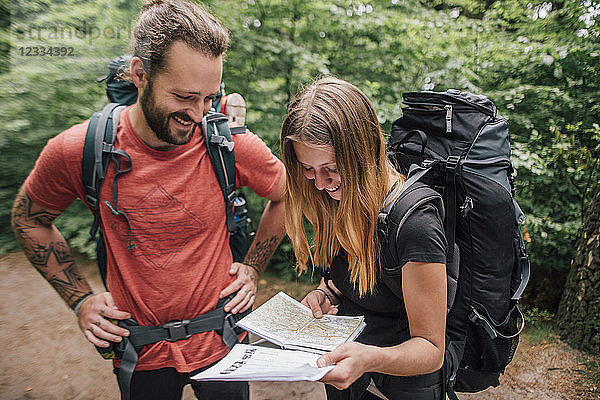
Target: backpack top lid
(450, 97)
(119, 90)
(118, 64)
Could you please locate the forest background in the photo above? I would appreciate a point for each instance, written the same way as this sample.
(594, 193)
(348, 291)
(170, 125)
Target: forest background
(539, 62)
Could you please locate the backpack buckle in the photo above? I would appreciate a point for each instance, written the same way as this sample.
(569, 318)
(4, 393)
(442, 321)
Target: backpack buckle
(428, 163)
(479, 319)
(452, 162)
(222, 142)
(91, 201)
(230, 321)
(177, 330)
(108, 147)
(232, 196)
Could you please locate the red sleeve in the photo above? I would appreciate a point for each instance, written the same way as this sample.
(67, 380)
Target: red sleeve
(256, 166)
(55, 180)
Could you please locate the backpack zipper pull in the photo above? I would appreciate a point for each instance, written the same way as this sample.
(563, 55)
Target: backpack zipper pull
(466, 206)
(448, 109)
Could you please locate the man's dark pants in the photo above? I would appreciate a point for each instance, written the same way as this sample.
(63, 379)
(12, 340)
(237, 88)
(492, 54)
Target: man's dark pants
(167, 384)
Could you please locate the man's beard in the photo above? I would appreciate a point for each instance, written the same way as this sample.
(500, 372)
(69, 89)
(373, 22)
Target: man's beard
(158, 119)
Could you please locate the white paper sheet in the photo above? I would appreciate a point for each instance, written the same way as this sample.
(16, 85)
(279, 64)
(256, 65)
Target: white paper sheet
(256, 363)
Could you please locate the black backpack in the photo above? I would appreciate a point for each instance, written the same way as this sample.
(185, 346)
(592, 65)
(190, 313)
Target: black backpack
(453, 146)
(99, 151)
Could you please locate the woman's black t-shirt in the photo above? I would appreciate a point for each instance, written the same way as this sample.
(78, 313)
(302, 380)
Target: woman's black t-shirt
(421, 239)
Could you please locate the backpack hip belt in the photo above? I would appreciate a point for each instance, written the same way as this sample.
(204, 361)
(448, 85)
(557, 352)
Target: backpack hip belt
(216, 320)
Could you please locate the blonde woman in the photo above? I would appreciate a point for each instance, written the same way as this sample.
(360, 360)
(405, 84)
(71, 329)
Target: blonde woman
(338, 177)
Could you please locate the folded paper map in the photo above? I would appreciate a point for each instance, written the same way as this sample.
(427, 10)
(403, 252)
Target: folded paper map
(291, 325)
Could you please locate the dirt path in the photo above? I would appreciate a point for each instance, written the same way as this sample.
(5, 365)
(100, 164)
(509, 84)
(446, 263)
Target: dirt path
(46, 357)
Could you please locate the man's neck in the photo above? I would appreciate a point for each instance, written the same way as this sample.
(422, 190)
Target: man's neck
(143, 131)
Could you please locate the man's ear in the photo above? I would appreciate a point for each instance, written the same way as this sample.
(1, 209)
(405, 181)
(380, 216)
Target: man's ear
(137, 73)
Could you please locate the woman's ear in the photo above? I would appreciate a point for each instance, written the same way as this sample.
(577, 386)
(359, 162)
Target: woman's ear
(138, 73)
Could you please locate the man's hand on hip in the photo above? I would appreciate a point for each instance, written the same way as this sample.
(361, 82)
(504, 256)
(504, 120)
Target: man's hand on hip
(93, 320)
(246, 285)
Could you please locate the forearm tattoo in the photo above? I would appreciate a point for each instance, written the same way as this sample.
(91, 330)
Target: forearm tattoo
(260, 252)
(47, 250)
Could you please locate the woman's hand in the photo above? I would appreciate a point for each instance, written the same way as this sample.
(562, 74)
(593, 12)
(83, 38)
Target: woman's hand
(319, 302)
(351, 361)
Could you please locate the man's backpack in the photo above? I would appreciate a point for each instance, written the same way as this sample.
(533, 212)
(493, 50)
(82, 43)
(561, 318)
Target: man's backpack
(454, 146)
(99, 151)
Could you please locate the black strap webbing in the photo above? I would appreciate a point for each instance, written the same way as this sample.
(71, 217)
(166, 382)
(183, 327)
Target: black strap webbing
(97, 151)
(451, 211)
(451, 393)
(219, 145)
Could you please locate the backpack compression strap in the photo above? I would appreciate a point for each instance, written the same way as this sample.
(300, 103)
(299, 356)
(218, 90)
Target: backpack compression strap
(219, 144)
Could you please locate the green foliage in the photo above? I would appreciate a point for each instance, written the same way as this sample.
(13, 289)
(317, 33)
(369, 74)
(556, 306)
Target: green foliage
(539, 325)
(4, 35)
(537, 60)
(283, 262)
(43, 95)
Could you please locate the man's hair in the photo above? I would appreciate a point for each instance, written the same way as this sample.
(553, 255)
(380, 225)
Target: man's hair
(163, 22)
(332, 112)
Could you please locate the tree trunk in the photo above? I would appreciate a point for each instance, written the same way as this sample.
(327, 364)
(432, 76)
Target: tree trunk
(578, 316)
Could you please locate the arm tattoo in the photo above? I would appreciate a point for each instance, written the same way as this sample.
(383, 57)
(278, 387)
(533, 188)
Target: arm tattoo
(26, 210)
(47, 250)
(260, 253)
(41, 253)
(68, 284)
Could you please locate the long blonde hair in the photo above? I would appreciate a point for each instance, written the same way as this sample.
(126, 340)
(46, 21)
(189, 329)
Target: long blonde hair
(332, 112)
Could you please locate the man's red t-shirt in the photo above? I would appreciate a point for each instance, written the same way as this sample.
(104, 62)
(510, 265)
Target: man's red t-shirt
(180, 260)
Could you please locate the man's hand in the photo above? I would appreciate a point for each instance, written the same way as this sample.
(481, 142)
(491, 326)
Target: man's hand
(93, 320)
(246, 285)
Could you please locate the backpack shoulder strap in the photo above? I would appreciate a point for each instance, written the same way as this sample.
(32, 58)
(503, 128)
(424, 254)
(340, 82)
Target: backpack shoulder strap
(219, 144)
(97, 149)
(398, 206)
(99, 138)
